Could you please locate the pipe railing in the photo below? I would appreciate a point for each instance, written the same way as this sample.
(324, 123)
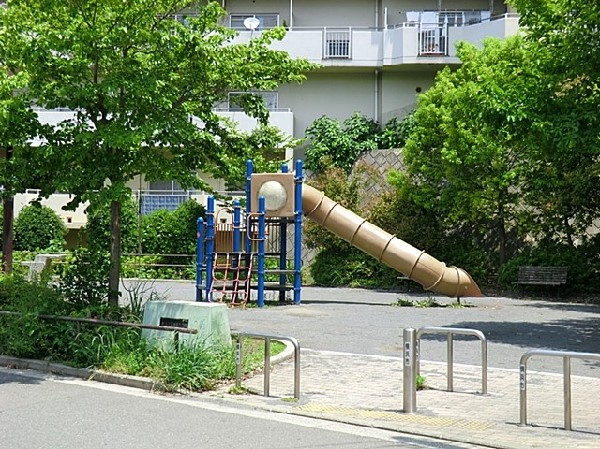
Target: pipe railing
(267, 360)
(566, 356)
(450, 332)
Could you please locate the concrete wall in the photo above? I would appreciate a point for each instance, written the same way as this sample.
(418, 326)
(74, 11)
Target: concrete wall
(336, 95)
(399, 91)
(339, 94)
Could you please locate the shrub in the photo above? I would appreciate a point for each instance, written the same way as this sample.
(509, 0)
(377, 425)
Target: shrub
(183, 227)
(37, 228)
(582, 262)
(339, 142)
(84, 277)
(155, 232)
(26, 335)
(172, 232)
(99, 221)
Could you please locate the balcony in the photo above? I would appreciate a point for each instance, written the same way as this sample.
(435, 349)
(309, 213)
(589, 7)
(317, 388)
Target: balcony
(282, 118)
(411, 42)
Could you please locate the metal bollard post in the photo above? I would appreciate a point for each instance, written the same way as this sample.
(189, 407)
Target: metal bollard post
(409, 371)
(267, 376)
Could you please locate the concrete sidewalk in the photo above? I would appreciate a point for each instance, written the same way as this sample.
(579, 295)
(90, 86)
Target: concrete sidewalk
(367, 390)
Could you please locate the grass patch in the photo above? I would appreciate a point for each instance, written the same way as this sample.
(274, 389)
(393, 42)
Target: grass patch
(191, 367)
(113, 349)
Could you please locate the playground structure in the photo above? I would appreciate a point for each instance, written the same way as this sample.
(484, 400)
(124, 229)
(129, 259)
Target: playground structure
(229, 257)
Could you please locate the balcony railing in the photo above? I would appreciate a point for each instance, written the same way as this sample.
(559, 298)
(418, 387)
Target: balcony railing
(337, 43)
(410, 42)
(265, 21)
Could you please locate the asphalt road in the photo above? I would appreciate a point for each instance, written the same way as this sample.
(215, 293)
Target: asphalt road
(44, 412)
(365, 322)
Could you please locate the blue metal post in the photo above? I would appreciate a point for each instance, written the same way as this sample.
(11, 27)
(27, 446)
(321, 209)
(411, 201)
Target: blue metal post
(249, 170)
(210, 245)
(261, 250)
(283, 248)
(237, 230)
(199, 257)
(298, 232)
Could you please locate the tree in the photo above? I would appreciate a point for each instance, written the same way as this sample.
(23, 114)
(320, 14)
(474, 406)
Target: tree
(143, 86)
(563, 39)
(18, 124)
(465, 154)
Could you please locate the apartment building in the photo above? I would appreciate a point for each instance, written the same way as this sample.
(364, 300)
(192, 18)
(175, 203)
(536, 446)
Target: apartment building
(375, 57)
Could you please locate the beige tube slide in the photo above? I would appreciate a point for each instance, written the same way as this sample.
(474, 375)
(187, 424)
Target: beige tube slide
(419, 266)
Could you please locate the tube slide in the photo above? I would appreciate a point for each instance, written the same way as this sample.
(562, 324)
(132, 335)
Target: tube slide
(419, 266)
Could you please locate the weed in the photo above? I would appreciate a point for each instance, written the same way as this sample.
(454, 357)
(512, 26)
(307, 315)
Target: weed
(421, 303)
(238, 390)
(421, 382)
(402, 302)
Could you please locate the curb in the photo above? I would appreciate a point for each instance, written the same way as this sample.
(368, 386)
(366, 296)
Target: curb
(142, 383)
(126, 380)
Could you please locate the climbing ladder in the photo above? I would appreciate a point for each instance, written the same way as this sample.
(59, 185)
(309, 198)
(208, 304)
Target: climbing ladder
(231, 278)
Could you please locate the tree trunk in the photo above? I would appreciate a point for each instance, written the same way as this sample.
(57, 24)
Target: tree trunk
(115, 253)
(7, 234)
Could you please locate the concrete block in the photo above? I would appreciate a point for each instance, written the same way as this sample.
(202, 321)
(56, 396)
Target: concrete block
(211, 320)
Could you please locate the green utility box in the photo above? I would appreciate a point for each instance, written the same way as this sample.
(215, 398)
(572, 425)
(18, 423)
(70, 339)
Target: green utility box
(211, 320)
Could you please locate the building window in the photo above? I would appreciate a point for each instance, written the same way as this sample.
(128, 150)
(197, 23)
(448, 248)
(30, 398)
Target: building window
(266, 21)
(271, 100)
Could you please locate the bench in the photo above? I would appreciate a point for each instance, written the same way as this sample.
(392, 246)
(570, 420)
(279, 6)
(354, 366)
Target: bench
(542, 276)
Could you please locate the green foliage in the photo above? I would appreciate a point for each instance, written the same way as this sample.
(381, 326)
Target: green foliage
(37, 228)
(84, 279)
(159, 267)
(98, 227)
(172, 232)
(396, 132)
(583, 263)
(562, 38)
(135, 76)
(27, 335)
(110, 348)
(465, 153)
(265, 145)
(1, 225)
(421, 382)
(339, 144)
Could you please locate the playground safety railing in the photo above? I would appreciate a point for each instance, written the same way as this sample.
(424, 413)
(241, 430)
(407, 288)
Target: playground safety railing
(267, 360)
(566, 356)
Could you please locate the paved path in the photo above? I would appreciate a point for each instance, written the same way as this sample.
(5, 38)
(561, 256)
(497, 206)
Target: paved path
(351, 370)
(367, 390)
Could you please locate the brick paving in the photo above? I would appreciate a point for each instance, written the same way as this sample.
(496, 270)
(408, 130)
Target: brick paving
(367, 390)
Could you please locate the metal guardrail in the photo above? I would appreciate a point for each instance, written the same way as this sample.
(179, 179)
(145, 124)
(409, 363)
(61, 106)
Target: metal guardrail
(97, 322)
(267, 361)
(566, 356)
(450, 332)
